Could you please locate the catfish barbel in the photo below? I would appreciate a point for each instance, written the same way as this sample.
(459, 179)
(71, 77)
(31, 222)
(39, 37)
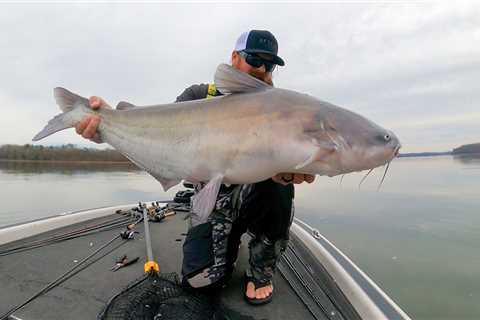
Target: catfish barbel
(251, 134)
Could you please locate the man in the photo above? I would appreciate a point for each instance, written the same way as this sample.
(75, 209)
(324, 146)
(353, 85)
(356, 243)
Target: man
(265, 208)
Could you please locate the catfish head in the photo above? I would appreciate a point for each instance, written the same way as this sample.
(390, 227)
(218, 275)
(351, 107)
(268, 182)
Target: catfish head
(343, 141)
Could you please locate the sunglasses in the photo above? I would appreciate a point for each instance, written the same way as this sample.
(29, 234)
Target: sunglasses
(256, 61)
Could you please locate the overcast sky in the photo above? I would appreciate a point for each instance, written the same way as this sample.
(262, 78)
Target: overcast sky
(413, 67)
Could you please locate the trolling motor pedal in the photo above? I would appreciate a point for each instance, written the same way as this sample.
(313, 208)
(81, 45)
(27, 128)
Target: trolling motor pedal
(183, 196)
(188, 185)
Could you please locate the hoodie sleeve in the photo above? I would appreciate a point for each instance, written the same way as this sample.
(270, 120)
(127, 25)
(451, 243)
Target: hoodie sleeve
(195, 92)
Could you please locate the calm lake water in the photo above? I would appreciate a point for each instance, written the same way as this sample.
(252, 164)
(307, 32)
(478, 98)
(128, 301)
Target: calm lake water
(418, 238)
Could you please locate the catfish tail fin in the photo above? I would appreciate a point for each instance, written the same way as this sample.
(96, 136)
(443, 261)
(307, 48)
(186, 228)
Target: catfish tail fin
(67, 101)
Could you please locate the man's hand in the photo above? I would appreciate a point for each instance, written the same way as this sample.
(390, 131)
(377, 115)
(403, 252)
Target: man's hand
(297, 178)
(87, 128)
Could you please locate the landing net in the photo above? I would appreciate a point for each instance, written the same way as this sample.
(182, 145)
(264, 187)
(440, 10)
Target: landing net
(158, 297)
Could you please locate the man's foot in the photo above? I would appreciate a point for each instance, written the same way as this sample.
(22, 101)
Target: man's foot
(260, 293)
(257, 293)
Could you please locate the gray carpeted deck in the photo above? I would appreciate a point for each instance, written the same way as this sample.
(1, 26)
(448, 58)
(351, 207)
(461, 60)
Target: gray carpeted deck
(85, 294)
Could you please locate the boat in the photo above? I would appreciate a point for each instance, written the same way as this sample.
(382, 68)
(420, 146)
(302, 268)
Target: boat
(315, 280)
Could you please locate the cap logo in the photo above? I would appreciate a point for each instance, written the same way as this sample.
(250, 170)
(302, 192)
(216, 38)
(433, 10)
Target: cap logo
(267, 42)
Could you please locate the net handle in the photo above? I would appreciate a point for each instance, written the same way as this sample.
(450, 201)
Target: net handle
(148, 240)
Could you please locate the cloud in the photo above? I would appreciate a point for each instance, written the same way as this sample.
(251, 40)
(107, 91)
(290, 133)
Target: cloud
(411, 67)
(460, 119)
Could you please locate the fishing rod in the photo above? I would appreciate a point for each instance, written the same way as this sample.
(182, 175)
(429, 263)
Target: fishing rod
(105, 226)
(74, 270)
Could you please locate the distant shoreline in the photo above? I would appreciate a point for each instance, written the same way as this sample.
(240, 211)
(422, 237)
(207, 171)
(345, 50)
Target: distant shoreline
(436, 154)
(424, 154)
(70, 154)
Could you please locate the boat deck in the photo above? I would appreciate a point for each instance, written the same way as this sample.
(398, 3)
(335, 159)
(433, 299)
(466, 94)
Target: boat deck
(85, 294)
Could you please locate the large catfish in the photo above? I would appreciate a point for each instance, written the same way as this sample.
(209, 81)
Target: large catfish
(252, 133)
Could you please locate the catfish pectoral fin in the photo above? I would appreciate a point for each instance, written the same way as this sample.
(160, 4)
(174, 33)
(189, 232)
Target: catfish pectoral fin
(204, 201)
(321, 152)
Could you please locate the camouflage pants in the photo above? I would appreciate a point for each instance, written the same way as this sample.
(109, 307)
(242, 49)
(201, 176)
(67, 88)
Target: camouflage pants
(264, 209)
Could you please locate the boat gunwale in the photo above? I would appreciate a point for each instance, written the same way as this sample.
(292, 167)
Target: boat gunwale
(368, 299)
(22, 230)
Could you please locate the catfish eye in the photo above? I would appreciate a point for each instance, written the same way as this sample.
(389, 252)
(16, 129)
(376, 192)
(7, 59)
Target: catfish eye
(384, 138)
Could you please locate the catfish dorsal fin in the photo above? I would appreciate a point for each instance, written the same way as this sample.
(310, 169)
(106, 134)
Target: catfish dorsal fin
(123, 105)
(230, 80)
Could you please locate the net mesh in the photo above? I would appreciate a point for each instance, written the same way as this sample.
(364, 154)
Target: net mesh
(158, 297)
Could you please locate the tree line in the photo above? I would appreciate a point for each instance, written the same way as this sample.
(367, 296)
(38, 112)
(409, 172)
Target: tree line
(67, 152)
(467, 148)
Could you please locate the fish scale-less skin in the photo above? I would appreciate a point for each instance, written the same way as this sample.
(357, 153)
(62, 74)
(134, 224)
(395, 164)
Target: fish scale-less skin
(187, 138)
(244, 137)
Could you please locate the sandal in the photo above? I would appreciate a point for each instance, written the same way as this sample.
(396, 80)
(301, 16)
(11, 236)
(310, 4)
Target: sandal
(248, 277)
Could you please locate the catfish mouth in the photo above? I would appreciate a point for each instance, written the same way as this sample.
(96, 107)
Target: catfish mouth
(395, 154)
(397, 151)
(374, 158)
(392, 154)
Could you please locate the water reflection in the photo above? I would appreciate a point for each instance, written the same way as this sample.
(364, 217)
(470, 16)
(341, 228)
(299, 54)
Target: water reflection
(67, 168)
(32, 190)
(470, 159)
